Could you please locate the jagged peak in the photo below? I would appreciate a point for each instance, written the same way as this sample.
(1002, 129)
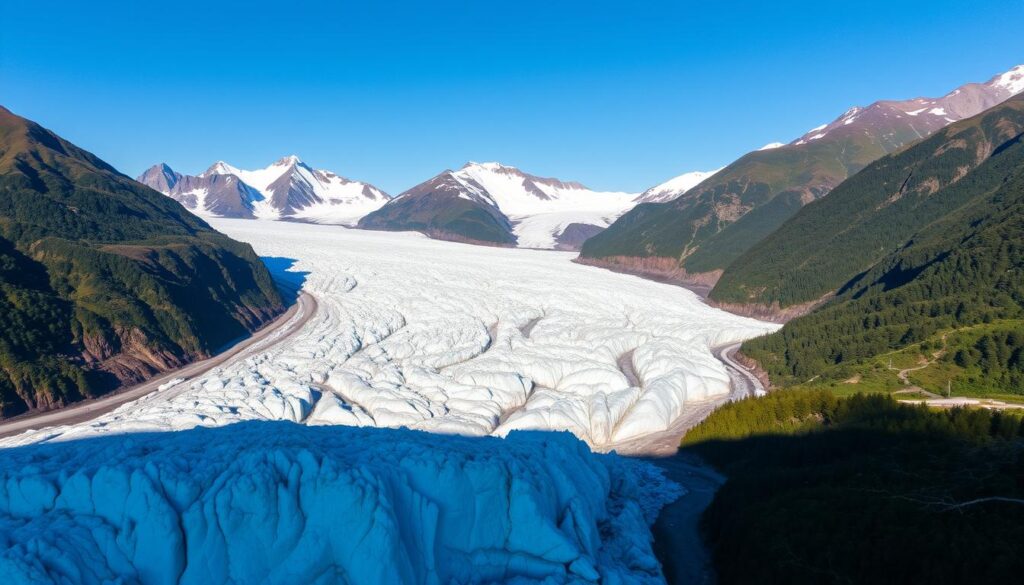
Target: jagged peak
(288, 161)
(1012, 80)
(490, 166)
(219, 168)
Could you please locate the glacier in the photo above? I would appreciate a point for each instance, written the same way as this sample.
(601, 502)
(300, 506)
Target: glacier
(276, 502)
(304, 459)
(453, 338)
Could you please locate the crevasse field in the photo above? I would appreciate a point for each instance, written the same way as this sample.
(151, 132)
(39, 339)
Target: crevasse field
(454, 338)
(408, 332)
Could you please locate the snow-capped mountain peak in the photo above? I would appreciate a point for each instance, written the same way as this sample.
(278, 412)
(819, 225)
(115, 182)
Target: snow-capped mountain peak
(533, 211)
(674, 187)
(288, 188)
(1011, 81)
(288, 161)
(924, 115)
(219, 168)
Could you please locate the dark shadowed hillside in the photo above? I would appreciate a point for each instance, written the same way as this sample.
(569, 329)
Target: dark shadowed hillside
(104, 281)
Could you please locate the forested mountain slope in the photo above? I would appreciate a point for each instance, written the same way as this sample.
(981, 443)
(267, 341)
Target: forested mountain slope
(870, 215)
(103, 280)
(927, 239)
(696, 236)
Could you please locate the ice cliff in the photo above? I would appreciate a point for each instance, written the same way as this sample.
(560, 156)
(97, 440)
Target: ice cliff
(276, 502)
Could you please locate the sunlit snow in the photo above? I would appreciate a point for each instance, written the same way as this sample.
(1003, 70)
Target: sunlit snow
(455, 338)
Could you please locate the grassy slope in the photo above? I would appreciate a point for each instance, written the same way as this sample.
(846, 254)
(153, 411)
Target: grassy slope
(104, 280)
(934, 363)
(873, 214)
(451, 218)
(714, 224)
(963, 269)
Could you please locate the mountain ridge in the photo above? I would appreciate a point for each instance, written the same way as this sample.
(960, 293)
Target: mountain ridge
(696, 236)
(104, 281)
(286, 189)
(517, 207)
(922, 243)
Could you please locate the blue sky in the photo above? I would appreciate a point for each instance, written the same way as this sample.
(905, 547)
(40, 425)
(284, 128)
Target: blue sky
(618, 95)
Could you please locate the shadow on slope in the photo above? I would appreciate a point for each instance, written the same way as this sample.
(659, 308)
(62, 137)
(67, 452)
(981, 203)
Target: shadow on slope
(289, 282)
(863, 490)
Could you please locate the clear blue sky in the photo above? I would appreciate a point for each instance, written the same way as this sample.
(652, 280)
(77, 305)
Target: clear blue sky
(618, 95)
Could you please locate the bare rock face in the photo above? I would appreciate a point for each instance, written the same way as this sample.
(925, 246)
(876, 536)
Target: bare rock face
(575, 234)
(523, 209)
(287, 189)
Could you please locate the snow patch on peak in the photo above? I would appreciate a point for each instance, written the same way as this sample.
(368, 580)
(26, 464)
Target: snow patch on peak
(540, 208)
(287, 161)
(489, 166)
(1012, 81)
(220, 168)
(676, 186)
(772, 146)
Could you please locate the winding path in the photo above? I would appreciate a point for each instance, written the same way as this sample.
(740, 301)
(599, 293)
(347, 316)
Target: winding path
(286, 325)
(744, 382)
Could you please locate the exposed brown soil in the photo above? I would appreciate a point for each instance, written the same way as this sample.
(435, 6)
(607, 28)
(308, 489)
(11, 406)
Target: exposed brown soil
(658, 269)
(91, 408)
(771, 312)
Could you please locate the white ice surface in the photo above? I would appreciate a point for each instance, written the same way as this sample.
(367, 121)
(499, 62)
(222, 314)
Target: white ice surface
(279, 503)
(539, 208)
(454, 338)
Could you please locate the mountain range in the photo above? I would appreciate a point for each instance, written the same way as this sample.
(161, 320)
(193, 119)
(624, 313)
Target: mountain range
(104, 281)
(693, 238)
(495, 204)
(287, 189)
(918, 246)
(487, 203)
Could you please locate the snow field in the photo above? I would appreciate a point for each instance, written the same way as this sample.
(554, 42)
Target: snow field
(444, 337)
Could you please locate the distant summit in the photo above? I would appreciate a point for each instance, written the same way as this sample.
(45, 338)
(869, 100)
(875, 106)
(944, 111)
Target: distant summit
(692, 238)
(497, 204)
(287, 189)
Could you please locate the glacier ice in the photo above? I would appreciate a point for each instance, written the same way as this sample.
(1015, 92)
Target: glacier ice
(276, 502)
(439, 336)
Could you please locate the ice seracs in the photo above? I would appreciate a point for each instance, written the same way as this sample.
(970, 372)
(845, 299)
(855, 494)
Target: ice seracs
(282, 503)
(453, 338)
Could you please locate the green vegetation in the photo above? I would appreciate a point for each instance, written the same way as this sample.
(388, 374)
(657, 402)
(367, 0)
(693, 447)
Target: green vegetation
(444, 217)
(103, 280)
(964, 268)
(823, 489)
(955, 176)
(739, 206)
